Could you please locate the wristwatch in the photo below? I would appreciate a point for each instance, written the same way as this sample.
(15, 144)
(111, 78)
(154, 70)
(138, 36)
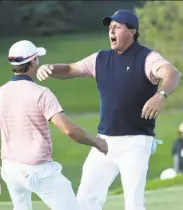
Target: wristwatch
(161, 92)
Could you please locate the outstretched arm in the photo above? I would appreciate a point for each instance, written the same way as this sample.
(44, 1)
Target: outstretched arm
(52, 111)
(83, 68)
(78, 134)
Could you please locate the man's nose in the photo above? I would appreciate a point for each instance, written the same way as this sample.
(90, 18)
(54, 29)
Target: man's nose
(112, 31)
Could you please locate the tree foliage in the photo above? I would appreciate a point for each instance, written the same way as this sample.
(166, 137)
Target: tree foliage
(46, 17)
(161, 28)
(56, 17)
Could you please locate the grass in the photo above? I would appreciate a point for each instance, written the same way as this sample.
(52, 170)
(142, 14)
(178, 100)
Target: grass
(164, 199)
(155, 184)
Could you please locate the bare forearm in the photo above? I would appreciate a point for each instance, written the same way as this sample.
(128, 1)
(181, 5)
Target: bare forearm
(60, 71)
(170, 81)
(65, 71)
(73, 131)
(82, 137)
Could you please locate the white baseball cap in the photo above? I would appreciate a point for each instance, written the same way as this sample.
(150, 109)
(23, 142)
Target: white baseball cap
(24, 51)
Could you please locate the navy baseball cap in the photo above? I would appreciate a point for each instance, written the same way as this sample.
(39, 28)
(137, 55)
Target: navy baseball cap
(123, 17)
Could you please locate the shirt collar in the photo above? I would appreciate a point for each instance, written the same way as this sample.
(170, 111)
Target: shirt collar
(21, 77)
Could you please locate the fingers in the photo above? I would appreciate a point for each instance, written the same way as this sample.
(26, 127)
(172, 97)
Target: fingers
(106, 149)
(149, 113)
(156, 114)
(51, 67)
(103, 146)
(144, 111)
(44, 72)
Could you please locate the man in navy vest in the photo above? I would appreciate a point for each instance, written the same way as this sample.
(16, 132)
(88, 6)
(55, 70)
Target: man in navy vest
(127, 76)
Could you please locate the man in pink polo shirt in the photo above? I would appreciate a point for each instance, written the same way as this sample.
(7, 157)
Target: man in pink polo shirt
(26, 149)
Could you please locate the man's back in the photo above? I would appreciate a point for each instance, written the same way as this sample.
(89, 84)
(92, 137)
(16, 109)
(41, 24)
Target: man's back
(24, 110)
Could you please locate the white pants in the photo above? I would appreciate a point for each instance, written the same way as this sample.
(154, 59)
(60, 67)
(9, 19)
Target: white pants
(128, 155)
(46, 180)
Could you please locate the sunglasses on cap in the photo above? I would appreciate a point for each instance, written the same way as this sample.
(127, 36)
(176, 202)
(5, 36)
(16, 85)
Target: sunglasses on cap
(19, 58)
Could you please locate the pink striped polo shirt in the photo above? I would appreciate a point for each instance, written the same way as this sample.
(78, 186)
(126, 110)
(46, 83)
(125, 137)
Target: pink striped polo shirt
(25, 108)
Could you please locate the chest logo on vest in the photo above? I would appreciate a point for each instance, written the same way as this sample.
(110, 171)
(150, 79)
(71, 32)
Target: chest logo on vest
(127, 68)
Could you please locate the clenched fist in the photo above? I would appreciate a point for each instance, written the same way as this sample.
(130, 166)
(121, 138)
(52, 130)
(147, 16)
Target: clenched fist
(102, 145)
(44, 72)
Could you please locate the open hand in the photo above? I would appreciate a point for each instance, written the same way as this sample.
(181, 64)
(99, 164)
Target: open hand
(153, 106)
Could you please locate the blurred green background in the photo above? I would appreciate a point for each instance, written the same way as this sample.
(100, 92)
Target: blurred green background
(71, 31)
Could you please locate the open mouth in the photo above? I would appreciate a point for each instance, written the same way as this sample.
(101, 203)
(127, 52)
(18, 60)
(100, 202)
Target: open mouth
(113, 40)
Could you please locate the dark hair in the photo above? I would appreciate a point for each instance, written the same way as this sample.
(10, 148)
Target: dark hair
(21, 68)
(137, 34)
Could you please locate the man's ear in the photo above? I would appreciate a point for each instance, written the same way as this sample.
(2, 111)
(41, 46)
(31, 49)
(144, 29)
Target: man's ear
(32, 62)
(133, 31)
